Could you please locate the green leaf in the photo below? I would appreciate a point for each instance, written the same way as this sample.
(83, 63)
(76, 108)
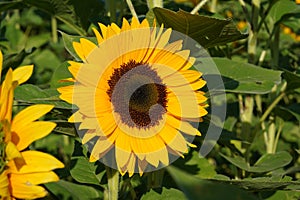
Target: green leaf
(60, 73)
(32, 94)
(14, 60)
(293, 110)
(82, 170)
(66, 190)
(206, 170)
(9, 5)
(285, 195)
(60, 9)
(262, 184)
(282, 9)
(166, 193)
(266, 163)
(240, 77)
(207, 31)
(293, 80)
(195, 188)
(68, 42)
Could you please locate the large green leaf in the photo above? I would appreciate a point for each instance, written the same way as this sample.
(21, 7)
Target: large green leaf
(195, 188)
(60, 9)
(293, 80)
(61, 72)
(166, 193)
(84, 171)
(207, 31)
(66, 190)
(32, 94)
(282, 9)
(263, 183)
(266, 163)
(240, 77)
(5, 6)
(196, 165)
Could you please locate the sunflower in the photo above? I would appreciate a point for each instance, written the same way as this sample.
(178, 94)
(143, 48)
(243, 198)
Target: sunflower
(22, 171)
(135, 96)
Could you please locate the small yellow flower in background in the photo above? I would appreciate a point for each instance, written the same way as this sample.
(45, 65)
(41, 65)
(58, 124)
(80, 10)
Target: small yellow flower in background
(241, 25)
(21, 171)
(297, 1)
(287, 30)
(136, 95)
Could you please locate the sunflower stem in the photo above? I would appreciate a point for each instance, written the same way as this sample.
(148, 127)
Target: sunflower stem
(113, 183)
(199, 6)
(54, 29)
(131, 8)
(155, 179)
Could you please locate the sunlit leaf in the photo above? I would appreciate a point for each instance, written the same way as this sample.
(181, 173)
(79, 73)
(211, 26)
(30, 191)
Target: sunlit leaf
(240, 77)
(266, 163)
(195, 188)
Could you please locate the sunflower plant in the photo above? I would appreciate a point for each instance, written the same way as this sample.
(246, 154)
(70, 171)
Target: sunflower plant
(160, 99)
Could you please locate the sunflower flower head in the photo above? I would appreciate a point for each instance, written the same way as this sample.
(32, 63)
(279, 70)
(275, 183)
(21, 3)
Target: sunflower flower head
(21, 170)
(135, 96)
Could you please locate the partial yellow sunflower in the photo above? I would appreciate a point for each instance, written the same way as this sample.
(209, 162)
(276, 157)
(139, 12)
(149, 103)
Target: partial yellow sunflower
(22, 171)
(135, 95)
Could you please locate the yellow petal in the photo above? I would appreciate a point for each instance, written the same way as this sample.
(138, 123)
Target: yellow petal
(35, 162)
(79, 51)
(4, 186)
(98, 36)
(154, 157)
(103, 30)
(107, 123)
(22, 189)
(22, 74)
(173, 139)
(76, 117)
(90, 134)
(102, 145)
(1, 61)
(6, 97)
(182, 126)
(12, 151)
(134, 23)
(24, 135)
(88, 123)
(142, 164)
(87, 47)
(29, 115)
(66, 93)
(35, 178)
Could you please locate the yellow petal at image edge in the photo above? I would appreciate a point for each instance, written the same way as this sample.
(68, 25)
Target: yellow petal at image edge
(35, 162)
(1, 60)
(4, 190)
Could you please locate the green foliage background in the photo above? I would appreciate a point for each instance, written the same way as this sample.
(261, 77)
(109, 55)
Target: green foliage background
(257, 156)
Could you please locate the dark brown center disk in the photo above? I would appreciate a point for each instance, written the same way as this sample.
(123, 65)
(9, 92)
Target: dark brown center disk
(137, 94)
